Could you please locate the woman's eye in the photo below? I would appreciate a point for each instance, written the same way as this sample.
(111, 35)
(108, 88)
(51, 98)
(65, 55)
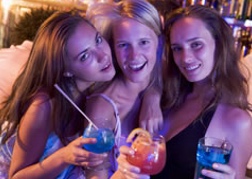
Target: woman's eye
(176, 49)
(144, 42)
(98, 40)
(84, 56)
(196, 45)
(121, 45)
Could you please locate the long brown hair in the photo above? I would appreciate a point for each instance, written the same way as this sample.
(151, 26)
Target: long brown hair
(44, 68)
(229, 83)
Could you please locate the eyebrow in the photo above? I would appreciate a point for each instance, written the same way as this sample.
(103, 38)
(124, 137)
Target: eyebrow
(79, 54)
(85, 50)
(188, 40)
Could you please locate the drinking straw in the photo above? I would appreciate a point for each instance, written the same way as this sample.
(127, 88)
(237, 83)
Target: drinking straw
(71, 101)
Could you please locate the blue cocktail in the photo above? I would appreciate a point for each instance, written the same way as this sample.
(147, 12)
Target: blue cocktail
(105, 139)
(211, 150)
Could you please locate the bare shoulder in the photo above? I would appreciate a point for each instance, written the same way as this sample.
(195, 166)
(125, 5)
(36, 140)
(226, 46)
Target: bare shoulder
(36, 121)
(38, 113)
(41, 98)
(235, 118)
(235, 125)
(97, 108)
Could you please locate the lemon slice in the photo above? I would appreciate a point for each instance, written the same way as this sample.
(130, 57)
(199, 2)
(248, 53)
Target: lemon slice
(134, 133)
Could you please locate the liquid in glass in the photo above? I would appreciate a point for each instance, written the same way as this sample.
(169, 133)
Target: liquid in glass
(210, 152)
(105, 139)
(150, 154)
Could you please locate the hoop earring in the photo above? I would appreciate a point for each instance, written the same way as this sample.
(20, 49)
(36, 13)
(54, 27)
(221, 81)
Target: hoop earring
(67, 74)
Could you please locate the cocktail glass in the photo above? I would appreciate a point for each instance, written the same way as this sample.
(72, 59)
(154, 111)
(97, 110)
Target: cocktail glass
(105, 139)
(211, 150)
(150, 153)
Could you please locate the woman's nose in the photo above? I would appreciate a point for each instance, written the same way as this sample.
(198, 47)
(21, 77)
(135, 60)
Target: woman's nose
(101, 55)
(133, 53)
(187, 56)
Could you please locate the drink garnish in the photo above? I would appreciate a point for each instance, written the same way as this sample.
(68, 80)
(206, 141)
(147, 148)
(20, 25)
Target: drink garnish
(136, 132)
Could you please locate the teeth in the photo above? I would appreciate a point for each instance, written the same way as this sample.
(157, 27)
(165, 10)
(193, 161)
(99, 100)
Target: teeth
(192, 67)
(105, 67)
(135, 67)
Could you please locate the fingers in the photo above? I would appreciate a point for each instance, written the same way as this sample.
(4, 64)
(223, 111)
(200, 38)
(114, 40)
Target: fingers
(83, 141)
(80, 141)
(224, 168)
(143, 124)
(223, 171)
(76, 154)
(152, 125)
(91, 164)
(128, 171)
(125, 150)
(132, 174)
(88, 159)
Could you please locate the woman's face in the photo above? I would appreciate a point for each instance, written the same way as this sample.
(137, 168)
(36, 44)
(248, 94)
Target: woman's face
(135, 47)
(89, 56)
(193, 48)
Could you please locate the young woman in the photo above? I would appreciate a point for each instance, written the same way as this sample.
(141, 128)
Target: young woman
(40, 129)
(134, 29)
(204, 95)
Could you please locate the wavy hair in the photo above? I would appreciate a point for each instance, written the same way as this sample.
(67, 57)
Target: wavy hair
(229, 83)
(44, 68)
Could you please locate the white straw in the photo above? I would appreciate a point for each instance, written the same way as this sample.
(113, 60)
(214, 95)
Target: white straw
(65, 95)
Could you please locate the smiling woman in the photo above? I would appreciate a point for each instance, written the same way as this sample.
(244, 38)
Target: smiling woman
(204, 81)
(133, 28)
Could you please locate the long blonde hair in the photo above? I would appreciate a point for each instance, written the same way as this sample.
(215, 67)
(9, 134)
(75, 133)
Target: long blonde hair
(104, 15)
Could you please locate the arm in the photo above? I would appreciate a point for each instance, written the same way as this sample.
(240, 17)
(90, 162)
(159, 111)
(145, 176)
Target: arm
(30, 144)
(151, 117)
(234, 125)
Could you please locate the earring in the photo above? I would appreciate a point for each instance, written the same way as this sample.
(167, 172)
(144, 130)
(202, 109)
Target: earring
(67, 74)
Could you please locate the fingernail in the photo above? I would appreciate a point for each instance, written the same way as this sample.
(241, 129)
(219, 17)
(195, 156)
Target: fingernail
(215, 165)
(131, 152)
(203, 171)
(105, 155)
(93, 140)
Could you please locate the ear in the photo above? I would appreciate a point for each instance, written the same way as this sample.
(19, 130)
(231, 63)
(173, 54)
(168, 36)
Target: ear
(67, 74)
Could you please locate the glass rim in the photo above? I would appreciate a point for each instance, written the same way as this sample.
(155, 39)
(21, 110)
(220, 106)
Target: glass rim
(223, 143)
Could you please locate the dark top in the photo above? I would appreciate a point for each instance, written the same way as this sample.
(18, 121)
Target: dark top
(181, 150)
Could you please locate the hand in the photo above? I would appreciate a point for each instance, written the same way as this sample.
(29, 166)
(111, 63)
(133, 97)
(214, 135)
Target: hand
(127, 170)
(225, 171)
(151, 117)
(75, 154)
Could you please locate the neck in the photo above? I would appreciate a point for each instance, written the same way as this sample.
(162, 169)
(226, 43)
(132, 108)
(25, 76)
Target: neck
(133, 87)
(203, 90)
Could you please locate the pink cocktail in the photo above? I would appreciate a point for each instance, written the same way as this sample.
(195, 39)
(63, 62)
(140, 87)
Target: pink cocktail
(150, 154)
